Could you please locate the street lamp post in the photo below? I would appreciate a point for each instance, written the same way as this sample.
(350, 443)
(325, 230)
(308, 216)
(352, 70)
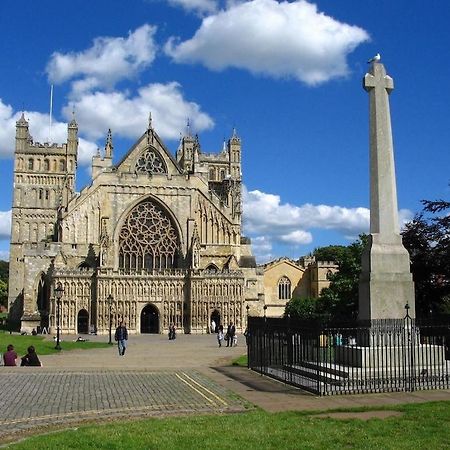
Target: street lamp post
(110, 300)
(59, 291)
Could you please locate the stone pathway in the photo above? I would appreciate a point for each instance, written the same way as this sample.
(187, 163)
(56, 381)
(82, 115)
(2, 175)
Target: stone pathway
(43, 398)
(155, 377)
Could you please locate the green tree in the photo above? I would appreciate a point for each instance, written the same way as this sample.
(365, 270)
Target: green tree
(340, 300)
(330, 253)
(3, 293)
(427, 238)
(4, 270)
(302, 308)
(4, 273)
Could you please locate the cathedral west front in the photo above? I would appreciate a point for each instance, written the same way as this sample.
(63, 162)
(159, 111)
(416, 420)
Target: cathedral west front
(155, 239)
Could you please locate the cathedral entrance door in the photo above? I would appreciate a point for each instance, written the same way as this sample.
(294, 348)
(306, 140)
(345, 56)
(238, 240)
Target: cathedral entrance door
(83, 321)
(150, 319)
(216, 317)
(43, 303)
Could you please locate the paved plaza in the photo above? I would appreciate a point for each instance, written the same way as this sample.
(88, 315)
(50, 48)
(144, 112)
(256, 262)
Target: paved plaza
(156, 377)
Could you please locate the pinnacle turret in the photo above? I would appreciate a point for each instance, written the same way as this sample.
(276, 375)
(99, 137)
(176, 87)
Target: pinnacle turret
(73, 122)
(109, 145)
(22, 121)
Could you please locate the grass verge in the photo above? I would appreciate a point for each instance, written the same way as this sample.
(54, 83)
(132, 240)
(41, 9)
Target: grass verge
(421, 426)
(43, 346)
(241, 361)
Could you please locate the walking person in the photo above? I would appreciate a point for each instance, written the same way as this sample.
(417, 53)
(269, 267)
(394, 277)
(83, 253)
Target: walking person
(220, 335)
(9, 358)
(172, 332)
(231, 331)
(121, 336)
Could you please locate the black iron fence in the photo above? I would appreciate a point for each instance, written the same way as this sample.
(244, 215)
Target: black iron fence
(380, 356)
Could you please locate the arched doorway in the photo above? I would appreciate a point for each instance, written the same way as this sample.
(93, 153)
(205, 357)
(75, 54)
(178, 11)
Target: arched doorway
(43, 302)
(83, 322)
(150, 319)
(215, 315)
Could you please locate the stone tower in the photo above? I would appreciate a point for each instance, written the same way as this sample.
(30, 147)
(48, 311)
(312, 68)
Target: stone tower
(44, 182)
(386, 284)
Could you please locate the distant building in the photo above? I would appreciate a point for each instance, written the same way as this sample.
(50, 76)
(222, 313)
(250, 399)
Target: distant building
(285, 278)
(153, 240)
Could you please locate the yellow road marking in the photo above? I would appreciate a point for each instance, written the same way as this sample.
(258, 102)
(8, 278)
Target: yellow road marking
(221, 400)
(83, 413)
(195, 389)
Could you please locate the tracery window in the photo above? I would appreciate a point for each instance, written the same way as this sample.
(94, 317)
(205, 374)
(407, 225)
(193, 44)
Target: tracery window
(284, 288)
(212, 268)
(148, 239)
(150, 162)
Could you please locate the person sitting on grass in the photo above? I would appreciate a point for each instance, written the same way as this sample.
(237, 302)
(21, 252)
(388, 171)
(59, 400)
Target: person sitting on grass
(9, 358)
(31, 359)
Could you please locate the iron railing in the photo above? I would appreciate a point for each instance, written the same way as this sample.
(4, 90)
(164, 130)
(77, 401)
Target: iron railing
(380, 356)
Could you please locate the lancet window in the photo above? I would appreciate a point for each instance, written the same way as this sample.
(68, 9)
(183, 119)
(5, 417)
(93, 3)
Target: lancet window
(148, 239)
(284, 288)
(150, 162)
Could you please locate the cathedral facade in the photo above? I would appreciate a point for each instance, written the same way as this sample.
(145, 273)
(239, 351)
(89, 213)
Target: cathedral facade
(154, 240)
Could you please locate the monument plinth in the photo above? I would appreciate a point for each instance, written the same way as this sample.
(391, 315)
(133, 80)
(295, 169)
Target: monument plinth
(386, 284)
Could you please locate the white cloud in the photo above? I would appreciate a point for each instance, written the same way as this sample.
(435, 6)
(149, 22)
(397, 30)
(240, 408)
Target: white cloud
(39, 130)
(7, 130)
(272, 221)
(292, 40)
(4, 255)
(109, 60)
(197, 6)
(5, 224)
(265, 213)
(262, 249)
(127, 116)
(404, 216)
(297, 237)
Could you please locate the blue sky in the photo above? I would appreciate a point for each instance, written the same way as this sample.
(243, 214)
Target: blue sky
(286, 75)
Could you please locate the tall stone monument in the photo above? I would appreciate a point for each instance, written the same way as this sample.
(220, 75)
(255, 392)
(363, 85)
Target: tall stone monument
(386, 284)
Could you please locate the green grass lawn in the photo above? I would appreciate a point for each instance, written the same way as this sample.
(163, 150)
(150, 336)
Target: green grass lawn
(43, 346)
(422, 426)
(241, 361)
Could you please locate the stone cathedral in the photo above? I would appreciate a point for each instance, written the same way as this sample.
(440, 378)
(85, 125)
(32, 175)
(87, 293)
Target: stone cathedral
(153, 240)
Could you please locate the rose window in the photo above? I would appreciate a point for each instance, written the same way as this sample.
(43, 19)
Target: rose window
(148, 239)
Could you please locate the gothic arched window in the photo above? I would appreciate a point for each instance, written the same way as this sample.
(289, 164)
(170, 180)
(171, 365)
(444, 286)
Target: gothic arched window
(212, 268)
(150, 162)
(30, 164)
(148, 239)
(46, 165)
(284, 288)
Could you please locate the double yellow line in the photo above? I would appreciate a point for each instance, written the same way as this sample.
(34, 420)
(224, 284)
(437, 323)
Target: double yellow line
(200, 389)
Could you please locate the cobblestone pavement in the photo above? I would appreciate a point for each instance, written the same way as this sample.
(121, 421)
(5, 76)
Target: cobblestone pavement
(156, 377)
(47, 397)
